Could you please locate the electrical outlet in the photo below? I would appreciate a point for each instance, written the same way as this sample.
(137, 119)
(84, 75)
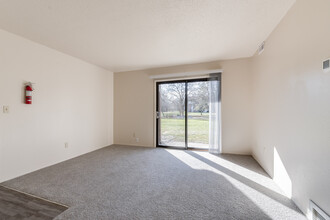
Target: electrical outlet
(6, 109)
(137, 140)
(66, 145)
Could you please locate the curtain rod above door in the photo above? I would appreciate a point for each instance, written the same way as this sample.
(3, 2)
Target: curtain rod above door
(185, 74)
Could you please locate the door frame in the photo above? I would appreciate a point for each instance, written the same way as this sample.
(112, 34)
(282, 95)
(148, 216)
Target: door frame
(186, 81)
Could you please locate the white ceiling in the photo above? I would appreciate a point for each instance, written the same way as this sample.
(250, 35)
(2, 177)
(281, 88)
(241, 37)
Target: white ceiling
(123, 35)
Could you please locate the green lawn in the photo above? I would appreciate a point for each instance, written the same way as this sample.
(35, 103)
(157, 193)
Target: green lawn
(176, 113)
(172, 129)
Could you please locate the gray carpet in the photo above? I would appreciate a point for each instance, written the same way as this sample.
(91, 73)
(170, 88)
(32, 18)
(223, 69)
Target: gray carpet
(121, 182)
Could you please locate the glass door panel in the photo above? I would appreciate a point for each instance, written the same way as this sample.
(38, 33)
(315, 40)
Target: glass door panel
(198, 114)
(171, 114)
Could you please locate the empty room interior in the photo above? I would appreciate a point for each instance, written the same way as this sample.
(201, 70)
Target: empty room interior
(165, 109)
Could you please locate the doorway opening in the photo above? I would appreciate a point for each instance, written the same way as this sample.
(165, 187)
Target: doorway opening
(183, 114)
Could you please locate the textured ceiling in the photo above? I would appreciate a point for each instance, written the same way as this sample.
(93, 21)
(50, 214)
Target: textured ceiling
(125, 35)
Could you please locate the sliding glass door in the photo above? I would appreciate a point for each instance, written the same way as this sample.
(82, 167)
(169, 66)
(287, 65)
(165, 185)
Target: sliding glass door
(183, 119)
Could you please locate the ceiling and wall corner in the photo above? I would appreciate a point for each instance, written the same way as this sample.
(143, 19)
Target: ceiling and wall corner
(123, 35)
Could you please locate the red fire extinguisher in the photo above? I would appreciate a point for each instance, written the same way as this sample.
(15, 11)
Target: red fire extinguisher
(28, 94)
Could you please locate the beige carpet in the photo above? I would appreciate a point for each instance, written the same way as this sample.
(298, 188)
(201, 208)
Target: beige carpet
(120, 182)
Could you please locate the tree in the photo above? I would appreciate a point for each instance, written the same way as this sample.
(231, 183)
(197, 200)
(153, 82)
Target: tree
(199, 96)
(172, 97)
(164, 103)
(177, 96)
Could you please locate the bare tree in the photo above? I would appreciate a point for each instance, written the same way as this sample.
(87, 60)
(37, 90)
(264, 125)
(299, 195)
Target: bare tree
(199, 96)
(172, 97)
(164, 103)
(177, 94)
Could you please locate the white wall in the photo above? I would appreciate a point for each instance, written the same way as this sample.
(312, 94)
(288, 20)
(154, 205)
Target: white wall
(134, 104)
(292, 103)
(72, 102)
